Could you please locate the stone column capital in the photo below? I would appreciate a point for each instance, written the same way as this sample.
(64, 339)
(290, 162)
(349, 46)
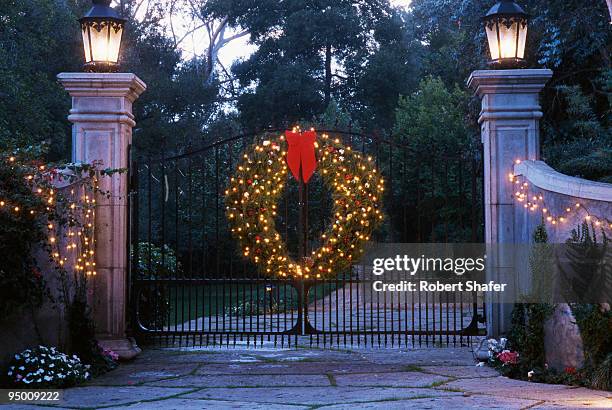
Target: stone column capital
(126, 85)
(520, 81)
(102, 97)
(509, 94)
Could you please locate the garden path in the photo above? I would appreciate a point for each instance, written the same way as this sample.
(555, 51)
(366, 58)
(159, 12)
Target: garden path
(305, 378)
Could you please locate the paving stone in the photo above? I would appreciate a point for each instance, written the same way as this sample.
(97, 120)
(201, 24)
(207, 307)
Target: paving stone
(422, 357)
(238, 380)
(202, 355)
(584, 392)
(462, 372)
(24, 406)
(309, 355)
(505, 387)
(316, 395)
(193, 404)
(98, 396)
(221, 378)
(403, 379)
(132, 373)
(454, 402)
(298, 368)
(586, 404)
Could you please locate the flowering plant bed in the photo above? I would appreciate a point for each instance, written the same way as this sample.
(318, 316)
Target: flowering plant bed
(46, 367)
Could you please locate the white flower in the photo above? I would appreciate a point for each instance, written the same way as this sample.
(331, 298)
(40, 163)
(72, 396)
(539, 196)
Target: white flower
(530, 374)
(266, 143)
(48, 378)
(21, 368)
(17, 357)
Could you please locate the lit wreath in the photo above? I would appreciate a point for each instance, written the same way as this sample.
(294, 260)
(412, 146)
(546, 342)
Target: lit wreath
(258, 185)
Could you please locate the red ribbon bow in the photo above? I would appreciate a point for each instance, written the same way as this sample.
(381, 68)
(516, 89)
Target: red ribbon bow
(301, 151)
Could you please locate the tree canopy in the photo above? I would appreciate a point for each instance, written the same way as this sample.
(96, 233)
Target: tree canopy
(360, 58)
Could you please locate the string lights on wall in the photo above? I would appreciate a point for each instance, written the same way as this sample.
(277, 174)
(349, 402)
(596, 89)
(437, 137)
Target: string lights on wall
(533, 200)
(68, 213)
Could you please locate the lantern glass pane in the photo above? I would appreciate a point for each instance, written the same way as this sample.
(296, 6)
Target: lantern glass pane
(115, 43)
(99, 41)
(522, 41)
(507, 38)
(86, 44)
(492, 37)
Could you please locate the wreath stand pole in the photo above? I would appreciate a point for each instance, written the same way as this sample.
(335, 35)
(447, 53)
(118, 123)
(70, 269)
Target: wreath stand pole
(302, 297)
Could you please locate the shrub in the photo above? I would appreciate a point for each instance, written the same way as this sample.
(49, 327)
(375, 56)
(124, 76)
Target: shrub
(21, 282)
(46, 367)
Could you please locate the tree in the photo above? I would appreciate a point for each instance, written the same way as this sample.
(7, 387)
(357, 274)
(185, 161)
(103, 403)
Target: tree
(573, 38)
(441, 147)
(38, 39)
(304, 53)
(180, 100)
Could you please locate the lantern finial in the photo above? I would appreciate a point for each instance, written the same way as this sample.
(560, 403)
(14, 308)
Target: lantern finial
(102, 30)
(506, 28)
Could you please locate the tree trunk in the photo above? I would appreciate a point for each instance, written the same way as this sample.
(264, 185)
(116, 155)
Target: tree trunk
(328, 74)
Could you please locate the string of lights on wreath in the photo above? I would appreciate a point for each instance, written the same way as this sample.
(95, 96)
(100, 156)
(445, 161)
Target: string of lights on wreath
(256, 187)
(68, 213)
(535, 201)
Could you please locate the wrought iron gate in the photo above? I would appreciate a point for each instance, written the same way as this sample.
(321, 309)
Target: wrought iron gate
(189, 284)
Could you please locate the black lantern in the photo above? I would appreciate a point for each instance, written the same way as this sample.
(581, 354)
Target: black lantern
(506, 27)
(102, 29)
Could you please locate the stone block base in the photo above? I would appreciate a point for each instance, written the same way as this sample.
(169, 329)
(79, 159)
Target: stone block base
(126, 348)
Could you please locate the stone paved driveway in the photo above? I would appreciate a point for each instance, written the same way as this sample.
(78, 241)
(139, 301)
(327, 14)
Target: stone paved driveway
(267, 378)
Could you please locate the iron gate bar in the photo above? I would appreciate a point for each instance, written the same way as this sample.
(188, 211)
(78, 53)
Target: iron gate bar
(285, 309)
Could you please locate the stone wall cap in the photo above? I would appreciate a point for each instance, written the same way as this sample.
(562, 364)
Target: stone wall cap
(541, 175)
(102, 84)
(530, 80)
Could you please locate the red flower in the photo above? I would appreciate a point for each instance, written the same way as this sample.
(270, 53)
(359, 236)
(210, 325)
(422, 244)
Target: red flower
(36, 273)
(570, 370)
(508, 357)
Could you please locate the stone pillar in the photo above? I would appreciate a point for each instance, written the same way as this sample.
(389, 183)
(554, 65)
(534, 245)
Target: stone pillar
(102, 121)
(509, 124)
